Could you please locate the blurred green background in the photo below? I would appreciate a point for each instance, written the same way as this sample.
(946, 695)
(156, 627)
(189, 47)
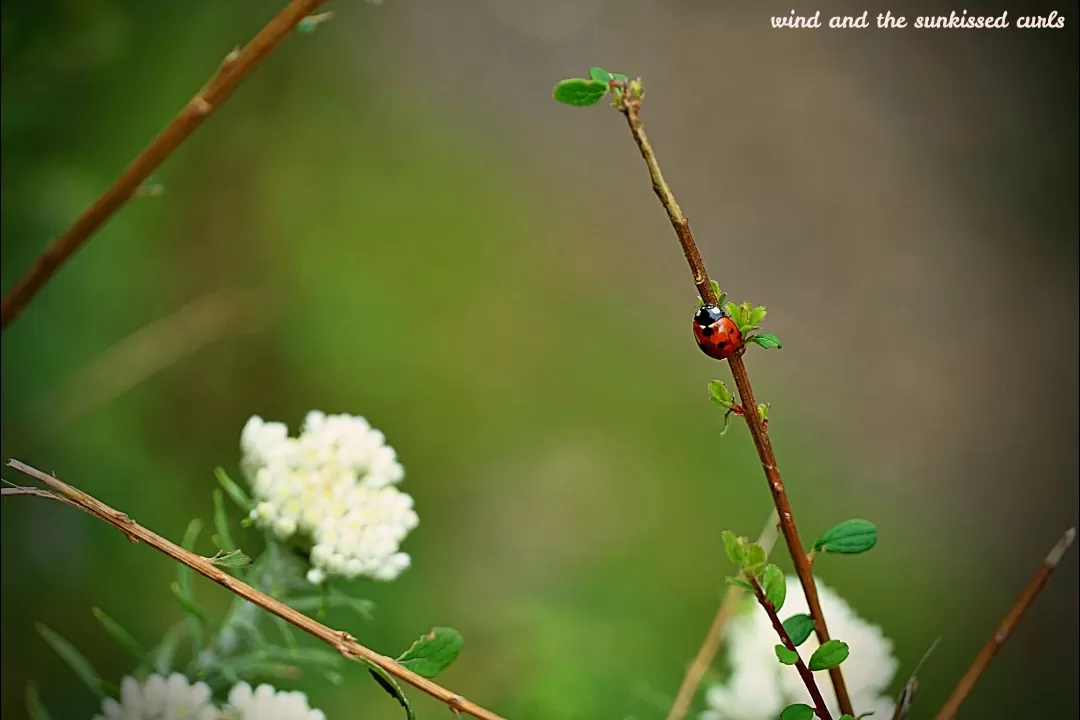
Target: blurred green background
(391, 218)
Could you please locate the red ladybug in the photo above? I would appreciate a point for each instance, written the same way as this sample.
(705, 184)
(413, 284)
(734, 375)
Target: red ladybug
(717, 334)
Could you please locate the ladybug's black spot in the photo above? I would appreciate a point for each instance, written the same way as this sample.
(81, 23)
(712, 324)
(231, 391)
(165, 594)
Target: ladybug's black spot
(708, 330)
(708, 315)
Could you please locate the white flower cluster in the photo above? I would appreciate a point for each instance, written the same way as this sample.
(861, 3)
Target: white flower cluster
(174, 698)
(759, 687)
(335, 485)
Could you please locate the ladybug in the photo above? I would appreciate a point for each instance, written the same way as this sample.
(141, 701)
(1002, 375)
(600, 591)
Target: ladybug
(717, 334)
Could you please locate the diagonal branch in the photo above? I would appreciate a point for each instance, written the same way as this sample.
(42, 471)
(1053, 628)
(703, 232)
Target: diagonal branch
(629, 104)
(234, 68)
(711, 645)
(343, 642)
(1005, 629)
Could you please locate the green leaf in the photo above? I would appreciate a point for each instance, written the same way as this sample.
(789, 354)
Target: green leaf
(389, 684)
(738, 583)
(720, 296)
(763, 411)
(579, 92)
(849, 537)
(74, 659)
(221, 522)
(182, 589)
(799, 711)
(744, 314)
(236, 493)
(196, 612)
(620, 77)
(758, 314)
(755, 559)
(732, 310)
(600, 75)
(829, 655)
(164, 654)
(231, 560)
(35, 710)
(767, 341)
(720, 394)
(799, 627)
(788, 657)
(433, 652)
(735, 547)
(774, 585)
(122, 636)
(845, 716)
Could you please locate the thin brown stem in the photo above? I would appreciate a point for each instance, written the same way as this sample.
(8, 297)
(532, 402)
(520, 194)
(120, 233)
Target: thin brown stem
(711, 645)
(234, 68)
(630, 106)
(1005, 629)
(341, 641)
(820, 708)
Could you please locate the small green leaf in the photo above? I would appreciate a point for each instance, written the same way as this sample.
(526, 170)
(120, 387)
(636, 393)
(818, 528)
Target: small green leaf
(720, 296)
(758, 314)
(763, 411)
(774, 585)
(720, 394)
(744, 314)
(849, 537)
(735, 547)
(221, 522)
(196, 612)
(767, 341)
(799, 627)
(727, 423)
(74, 659)
(738, 583)
(433, 652)
(600, 75)
(35, 710)
(620, 77)
(755, 559)
(122, 636)
(733, 311)
(579, 92)
(829, 655)
(236, 493)
(231, 560)
(799, 711)
(182, 589)
(788, 657)
(387, 683)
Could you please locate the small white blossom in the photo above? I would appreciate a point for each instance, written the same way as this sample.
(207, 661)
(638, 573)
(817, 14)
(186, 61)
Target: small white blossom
(334, 484)
(158, 698)
(759, 687)
(265, 703)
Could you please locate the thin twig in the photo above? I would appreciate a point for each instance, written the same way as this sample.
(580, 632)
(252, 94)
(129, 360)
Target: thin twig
(343, 642)
(711, 645)
(820, 708)
(630, 105)
(1005, 629)
(234, 68)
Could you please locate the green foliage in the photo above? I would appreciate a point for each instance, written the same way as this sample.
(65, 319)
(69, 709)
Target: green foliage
(799, 627)
(766, 340)
(232, 560)
(223, 539)
(849, 537)
(433, 652)
(787, 657)
(763, 411)
(738, 583)
(755, 560)
(579, 92)
(390, 685)
(35, 709)
(829, 655)
(720, 296)
(235, 492)
(774, 585)
(799, 711)
(163, 656)
(720, 395)
(122, 636)
(74, 659)
(736, 547)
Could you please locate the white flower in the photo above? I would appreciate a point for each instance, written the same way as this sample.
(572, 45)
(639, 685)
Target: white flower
(334, 484)
(158, 698)
(265, 703)
(759, 687)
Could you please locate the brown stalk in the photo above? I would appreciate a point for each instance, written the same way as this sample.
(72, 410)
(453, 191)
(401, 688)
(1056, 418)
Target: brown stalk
(1005, 628)
(234, 68)
(711, 645)
(343, 642)
(820, 708)
(630, 105)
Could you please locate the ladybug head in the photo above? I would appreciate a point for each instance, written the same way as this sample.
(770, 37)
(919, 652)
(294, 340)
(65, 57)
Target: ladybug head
(708, 315)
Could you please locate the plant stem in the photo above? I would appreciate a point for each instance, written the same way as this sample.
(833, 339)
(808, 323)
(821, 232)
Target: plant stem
(343, 642)
(630, 106)
(711, 645)
(234, 68)
(1005, 629)
(820, 708)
